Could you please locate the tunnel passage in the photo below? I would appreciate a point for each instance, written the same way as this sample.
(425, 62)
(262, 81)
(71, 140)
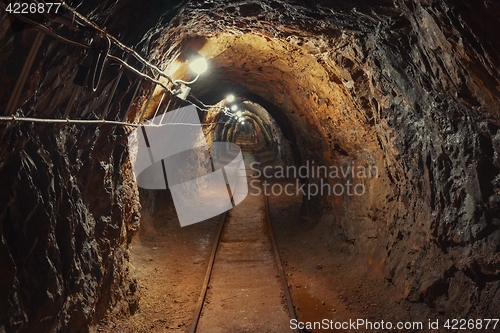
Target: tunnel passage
(407, 86)
(252, 119)
(286, 80)
(363, 96)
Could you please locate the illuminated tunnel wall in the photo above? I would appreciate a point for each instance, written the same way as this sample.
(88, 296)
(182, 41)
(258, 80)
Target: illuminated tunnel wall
(410, 87)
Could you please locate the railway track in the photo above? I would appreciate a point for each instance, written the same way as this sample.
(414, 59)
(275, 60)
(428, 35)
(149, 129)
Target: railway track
(245, 286)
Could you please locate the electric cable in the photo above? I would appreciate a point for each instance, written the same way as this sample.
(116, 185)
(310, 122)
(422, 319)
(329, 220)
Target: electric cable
(52, 33)
(118, 43)
(189, 82)
(197, 103)
(207, 108)
(136, 71)
(99, 61)
(94, 121)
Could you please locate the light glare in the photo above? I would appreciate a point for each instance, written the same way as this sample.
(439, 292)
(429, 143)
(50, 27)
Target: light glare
(234, 108)
(230, 98)
(199, 65)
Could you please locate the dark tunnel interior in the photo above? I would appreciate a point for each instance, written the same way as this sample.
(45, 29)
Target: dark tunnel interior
(325, 162)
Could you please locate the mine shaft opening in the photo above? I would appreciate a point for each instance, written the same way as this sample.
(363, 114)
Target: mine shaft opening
(314, 146)
(247, 136)
(252, 127)
(246, 123)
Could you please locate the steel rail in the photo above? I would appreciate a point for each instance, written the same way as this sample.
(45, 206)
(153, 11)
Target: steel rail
(206, 280)
(279, 264)
(208, 274)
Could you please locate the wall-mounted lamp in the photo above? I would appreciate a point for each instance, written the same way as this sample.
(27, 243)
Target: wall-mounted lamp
(197, 64)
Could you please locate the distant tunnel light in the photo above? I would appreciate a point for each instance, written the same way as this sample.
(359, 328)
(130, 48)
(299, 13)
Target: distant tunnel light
(198, 65)
(230, 98)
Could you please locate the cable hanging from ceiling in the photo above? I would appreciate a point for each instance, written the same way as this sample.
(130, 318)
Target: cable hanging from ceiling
(94, 121)
(178, 85)
(118, 43)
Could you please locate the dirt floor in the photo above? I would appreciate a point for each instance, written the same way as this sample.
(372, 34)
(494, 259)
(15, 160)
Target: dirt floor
(245, 294)
(169, 264)
(324, 278)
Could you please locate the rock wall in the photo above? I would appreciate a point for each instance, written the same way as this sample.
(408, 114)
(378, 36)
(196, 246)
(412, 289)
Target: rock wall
(436, 70)
(68, 202)
(68, 213)
(408, 86)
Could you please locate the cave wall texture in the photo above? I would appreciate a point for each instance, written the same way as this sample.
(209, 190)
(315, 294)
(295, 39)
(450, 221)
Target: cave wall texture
(68, 201)
(410, 86)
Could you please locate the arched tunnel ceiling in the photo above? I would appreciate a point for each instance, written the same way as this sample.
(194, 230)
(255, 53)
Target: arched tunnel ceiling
(288, 77)
(409, 85)
(258, 116)
(402, 84)
(326, 74)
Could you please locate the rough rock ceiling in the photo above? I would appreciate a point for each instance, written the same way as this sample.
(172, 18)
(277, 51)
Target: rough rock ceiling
(411, 86)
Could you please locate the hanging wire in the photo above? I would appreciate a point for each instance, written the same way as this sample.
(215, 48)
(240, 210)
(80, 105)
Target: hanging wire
(189, 82)
(208, 108)
(204, 107)
(197, 103)
(118, 43)
(138, 72)
(95, 121)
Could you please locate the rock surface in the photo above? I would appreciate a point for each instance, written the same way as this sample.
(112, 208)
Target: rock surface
(409, 86)
(68, 202)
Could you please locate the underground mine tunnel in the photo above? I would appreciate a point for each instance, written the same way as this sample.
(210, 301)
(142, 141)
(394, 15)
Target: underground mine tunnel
(344, 157)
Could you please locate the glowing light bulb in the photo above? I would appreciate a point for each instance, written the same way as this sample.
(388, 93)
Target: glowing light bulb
(230, 98)
(238, 114)
(198, 65)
